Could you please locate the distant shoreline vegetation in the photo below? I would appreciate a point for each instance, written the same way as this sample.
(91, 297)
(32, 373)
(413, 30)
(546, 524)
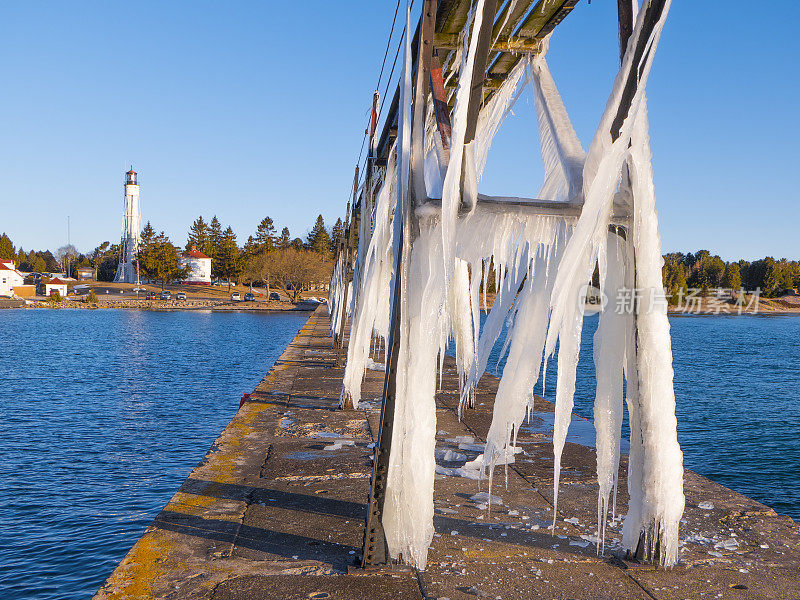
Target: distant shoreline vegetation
(267, 257)
(313, 259)
(707, 273)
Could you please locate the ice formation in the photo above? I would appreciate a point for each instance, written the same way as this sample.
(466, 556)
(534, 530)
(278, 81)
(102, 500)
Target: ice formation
(542, 263)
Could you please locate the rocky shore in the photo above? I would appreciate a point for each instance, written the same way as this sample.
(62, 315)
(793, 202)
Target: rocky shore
(190, 304)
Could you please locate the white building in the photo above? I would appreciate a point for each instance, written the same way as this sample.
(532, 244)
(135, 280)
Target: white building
(55, 285)
(127, 271)
(9, 277)
(200, 266)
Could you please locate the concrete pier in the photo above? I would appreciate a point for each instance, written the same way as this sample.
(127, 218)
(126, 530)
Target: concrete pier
(276, 510)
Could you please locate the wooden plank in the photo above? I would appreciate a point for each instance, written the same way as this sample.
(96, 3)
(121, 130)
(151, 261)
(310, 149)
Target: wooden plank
(503, 43)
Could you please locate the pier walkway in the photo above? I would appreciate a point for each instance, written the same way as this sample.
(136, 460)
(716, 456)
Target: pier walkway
(276, 510)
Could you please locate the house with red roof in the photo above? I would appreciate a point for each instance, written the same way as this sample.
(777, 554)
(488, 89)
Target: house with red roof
(199, 267)
(54, 285)
(9, 277)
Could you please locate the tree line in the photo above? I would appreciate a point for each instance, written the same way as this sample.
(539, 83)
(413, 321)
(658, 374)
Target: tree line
(267, 257)
(706, 272)
(700, 270)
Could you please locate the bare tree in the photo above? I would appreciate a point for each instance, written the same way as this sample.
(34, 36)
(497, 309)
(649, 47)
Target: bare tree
(66, 256)
(294, 270)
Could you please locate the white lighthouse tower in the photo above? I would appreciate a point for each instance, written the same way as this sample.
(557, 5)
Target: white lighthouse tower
(127, 271)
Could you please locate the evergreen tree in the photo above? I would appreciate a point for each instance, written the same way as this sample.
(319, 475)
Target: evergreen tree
(199, 236)
(773, 282)
(229, 259)
(159, 258)
(732, 279)
(336, 234)
(107, 262)
(30, 261)
(38, 265)
(265, 235)
(147, 257)
(51, 264)
(285, 240)
(215, 241)
(297, 244)
(249, 249)
(318, 240)
(7, 248)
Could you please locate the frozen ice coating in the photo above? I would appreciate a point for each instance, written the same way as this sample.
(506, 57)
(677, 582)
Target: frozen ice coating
(609, 359)
(408, 512)
(494, 113)
(371, 309)
(660, 492)
(542, 263)
(451, 187)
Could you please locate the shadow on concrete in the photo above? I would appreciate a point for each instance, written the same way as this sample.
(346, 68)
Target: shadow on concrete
(266, 540)
(309, 503)
(278, 543)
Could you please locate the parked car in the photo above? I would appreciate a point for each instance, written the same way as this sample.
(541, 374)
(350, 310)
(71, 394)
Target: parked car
(274, 296)
(180, 296)
(249, 297)
(166, 295)
(150, 295)
(235, 297)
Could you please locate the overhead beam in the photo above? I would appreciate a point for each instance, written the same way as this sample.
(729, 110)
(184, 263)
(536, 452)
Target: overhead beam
(503, 43)
(653, 10)
(534, 206)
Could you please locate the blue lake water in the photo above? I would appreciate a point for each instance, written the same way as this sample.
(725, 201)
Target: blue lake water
(104, 413)
(737, 391)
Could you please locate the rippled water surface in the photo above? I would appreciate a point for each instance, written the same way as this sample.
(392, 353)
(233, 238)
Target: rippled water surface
(737, 388)
(104, 413)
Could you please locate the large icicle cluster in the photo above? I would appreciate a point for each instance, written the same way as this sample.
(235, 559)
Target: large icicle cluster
(542, 264)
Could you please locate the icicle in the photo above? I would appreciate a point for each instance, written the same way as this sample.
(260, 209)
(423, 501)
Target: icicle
(451, 188)
(371, 311)
(609, 360)
(662, 501)
(408, 511)
(515, 392)
(601, 175)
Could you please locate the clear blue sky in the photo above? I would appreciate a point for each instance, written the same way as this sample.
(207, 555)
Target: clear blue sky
(208, 104)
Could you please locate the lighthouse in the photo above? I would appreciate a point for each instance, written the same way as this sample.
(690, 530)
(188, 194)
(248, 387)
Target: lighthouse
(127, 271)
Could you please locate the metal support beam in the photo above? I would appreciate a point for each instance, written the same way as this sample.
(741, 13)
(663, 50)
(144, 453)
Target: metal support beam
(478, 73)
(340, 253)
(479, 69)
(440, 108)
(421, 86)
(502, 43)
(347, 259)
(376, 549)
(653, 12)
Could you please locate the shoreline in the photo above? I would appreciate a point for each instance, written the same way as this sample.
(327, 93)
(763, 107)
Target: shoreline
(158, 305)
(222, 306)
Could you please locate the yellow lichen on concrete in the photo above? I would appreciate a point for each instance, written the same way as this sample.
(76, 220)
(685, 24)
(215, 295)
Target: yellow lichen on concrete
(134, 576)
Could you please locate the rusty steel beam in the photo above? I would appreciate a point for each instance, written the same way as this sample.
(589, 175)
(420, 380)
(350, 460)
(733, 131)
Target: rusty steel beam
(376, 549)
